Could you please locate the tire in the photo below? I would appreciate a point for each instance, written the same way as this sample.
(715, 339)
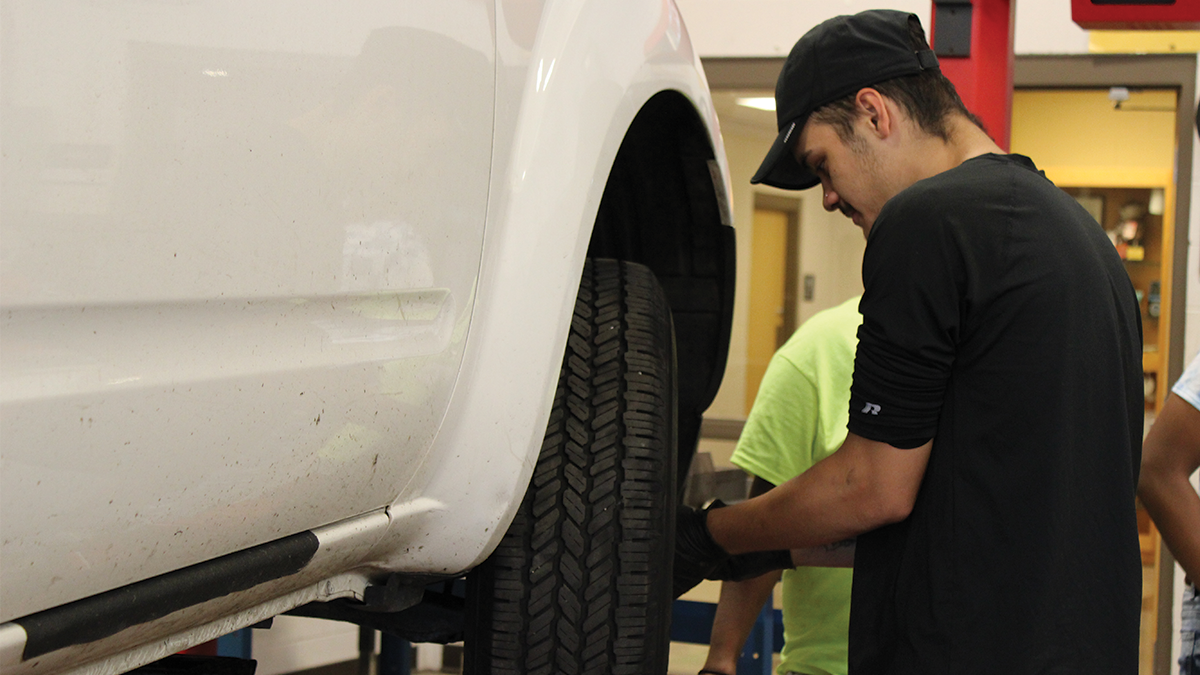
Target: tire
(581, 583)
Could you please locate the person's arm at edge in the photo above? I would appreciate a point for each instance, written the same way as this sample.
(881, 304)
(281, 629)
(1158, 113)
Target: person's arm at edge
(1170, 454)
(864, 485)
(738, 608)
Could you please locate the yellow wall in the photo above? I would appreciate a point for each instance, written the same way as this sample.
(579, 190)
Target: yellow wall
(1143, 41)
(1076, 129)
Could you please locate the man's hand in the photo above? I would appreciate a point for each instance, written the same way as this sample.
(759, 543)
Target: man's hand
(699, 557)
(696, 553)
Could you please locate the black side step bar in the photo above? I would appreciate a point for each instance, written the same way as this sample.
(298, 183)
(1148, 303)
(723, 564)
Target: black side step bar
(109, 613)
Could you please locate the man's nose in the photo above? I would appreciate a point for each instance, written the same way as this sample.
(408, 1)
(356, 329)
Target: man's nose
(829, 198)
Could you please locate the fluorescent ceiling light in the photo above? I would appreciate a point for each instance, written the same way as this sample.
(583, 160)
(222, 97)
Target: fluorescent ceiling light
(759, 102)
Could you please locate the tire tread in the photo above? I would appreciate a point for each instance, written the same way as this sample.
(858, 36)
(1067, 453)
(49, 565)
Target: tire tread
(591, 540)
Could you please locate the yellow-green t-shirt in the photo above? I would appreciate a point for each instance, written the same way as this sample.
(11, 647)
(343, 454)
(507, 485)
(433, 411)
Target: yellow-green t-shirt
(799, 418)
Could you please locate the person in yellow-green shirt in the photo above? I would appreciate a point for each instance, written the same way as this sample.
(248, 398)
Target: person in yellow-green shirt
(799, 417)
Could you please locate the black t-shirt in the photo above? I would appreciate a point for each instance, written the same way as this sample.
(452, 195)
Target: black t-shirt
(998, 320)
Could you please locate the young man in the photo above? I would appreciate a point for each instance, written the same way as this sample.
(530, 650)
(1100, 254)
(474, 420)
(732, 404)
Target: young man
(996, 407)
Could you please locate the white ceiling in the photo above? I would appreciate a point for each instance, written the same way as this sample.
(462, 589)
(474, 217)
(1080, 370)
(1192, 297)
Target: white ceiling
(738, 118)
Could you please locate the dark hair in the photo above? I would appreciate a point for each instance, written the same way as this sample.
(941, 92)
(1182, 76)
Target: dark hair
(929, 98)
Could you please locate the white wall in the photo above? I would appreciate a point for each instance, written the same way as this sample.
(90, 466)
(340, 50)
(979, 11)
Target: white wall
(296, 643)
(1045, 27)
(771, 27)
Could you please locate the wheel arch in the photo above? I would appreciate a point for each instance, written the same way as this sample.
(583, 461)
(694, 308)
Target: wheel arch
(579, 121)
(665, 206)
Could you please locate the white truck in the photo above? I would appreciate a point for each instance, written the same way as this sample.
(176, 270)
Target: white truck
(305, 306)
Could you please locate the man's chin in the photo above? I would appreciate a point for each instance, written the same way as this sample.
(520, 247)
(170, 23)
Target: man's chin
(861, 222)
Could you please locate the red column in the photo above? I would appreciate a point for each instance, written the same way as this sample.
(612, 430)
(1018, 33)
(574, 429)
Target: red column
(985, 78)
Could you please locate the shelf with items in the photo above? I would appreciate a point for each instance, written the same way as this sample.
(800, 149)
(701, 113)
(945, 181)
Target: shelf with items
(1136, 221)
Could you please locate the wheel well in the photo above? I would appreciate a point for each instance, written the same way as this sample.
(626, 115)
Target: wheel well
(661, 208)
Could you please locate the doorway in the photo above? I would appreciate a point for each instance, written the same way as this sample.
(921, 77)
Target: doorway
(774, 270)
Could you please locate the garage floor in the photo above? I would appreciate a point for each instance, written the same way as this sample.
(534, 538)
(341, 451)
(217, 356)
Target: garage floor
(294, 645)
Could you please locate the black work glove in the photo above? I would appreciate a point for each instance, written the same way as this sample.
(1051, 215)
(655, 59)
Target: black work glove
(751, 565)
(696, 554)
(699, 557)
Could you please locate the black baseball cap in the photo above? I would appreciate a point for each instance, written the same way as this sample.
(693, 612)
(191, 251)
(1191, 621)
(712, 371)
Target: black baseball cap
(835, 59)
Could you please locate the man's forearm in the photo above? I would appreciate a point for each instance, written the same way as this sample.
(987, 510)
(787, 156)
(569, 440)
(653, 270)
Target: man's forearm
(862, 486)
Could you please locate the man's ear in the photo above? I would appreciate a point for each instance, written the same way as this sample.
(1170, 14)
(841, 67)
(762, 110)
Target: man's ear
(873, 107)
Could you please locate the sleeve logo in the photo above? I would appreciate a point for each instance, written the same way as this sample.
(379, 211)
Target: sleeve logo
(872, 408)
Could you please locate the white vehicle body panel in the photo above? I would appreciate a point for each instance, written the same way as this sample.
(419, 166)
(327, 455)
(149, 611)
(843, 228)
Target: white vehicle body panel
(155, 281)
(249, 288)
